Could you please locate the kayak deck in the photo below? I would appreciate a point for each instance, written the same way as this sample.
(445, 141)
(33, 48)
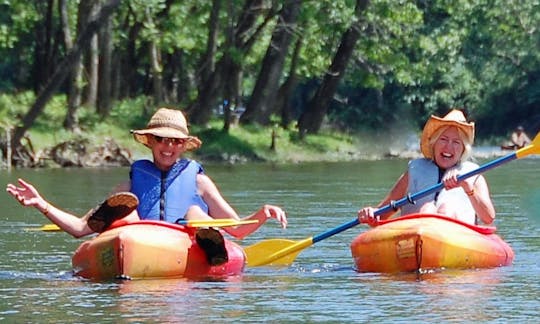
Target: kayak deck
(428, 241)
(150, 249)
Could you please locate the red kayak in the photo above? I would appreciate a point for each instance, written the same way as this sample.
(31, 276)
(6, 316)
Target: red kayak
(428, 241)
(151, 249)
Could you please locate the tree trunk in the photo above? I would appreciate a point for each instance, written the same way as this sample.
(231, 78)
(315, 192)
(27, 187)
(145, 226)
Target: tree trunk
(311, 119)
(211, 89)
(156, 72)
(157, 63)
(261, 105)
(129, 74)
(63, 69)
(92, 61)
(105, 69)
(208, 61)
(287, 88)
(228, 69)
(43, 62)
(71, 121)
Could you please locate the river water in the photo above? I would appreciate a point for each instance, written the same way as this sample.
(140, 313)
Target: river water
(37, 285)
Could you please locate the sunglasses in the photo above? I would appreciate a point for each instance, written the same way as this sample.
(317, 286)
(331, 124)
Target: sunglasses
(167, 140)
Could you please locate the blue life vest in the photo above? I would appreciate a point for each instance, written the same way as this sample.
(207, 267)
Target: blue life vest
(166, 195)
(423, 173)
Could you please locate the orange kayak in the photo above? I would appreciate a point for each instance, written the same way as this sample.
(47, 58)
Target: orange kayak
(421, 241)
(151, 249)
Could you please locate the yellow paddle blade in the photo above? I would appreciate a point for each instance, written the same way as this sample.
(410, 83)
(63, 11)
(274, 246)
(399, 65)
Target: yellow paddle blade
(533, 148)
(278, 252)
(46, 228)
(217, 222)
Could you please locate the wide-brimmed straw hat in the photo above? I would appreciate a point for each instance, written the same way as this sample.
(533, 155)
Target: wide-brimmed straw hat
(168, 123)
(453, 118)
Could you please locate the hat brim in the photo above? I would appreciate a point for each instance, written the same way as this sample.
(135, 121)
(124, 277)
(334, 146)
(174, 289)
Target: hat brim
(434, 123)
(143, 136)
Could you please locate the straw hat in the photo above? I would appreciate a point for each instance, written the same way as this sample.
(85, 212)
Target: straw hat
(169, 123)
(453, 118)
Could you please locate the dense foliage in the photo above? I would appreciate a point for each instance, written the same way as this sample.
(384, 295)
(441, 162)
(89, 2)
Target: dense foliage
(360, 64)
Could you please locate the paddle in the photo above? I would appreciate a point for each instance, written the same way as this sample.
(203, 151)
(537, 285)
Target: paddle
(189, 223)
(283, 252)
(46, 228)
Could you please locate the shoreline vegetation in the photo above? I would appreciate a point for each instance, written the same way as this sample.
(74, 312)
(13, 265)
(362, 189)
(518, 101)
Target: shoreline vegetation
(108, 146)
(102, 142)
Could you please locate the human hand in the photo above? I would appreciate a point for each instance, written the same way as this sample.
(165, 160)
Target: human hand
(450, 181)
(271, 211)
(366, 215)
(26, 195)
(449, 178)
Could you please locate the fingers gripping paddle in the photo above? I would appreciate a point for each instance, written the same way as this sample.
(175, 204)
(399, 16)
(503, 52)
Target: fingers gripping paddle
(283, 252)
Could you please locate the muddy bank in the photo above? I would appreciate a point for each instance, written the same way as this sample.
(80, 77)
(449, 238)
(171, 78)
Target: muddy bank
(72, 153)
(85, 154)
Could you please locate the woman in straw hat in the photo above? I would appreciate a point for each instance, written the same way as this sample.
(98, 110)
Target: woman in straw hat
(168, 188)
(446, 144)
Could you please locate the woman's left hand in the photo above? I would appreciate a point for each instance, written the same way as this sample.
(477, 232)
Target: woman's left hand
(271, 211)
(450, 181)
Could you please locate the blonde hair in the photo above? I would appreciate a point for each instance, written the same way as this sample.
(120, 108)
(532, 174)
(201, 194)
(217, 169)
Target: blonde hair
(467, 145)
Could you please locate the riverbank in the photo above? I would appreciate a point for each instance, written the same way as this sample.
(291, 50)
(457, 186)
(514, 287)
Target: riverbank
(109, 142)
(110, 145)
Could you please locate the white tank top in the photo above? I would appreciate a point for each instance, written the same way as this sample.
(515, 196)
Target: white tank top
(423, 173)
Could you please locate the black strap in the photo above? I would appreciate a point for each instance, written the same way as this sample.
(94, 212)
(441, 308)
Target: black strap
(441, 174)
(162, 195)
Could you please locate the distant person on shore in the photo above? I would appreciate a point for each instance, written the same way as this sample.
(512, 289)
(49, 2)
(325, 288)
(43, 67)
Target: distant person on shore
(446, 144)
(169, 188)
(518, 139)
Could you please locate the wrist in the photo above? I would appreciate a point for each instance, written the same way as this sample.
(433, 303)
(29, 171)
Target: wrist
(45, 210)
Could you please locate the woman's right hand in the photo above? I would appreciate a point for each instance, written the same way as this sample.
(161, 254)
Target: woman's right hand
(27, 195)
(366, 215)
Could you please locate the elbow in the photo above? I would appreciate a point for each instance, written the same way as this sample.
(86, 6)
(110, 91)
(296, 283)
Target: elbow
(77, 235)
(488, 219)
(239, 235)
(80, 233)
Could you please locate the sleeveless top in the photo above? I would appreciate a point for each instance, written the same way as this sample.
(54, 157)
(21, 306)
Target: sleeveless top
(424, 173)
(166, 195)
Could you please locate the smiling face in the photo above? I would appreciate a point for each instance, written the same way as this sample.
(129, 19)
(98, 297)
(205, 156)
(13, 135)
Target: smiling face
(166, 151)
(448, 148)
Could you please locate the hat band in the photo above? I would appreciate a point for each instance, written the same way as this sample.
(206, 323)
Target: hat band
(168, 124)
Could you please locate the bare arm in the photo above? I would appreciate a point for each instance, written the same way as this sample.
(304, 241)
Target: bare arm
(481, 201)
(218, 207)
(398, 191)
(477, 190)
(27, 195)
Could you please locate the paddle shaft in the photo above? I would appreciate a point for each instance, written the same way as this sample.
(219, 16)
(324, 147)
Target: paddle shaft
(410, 199)
(220, 222)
